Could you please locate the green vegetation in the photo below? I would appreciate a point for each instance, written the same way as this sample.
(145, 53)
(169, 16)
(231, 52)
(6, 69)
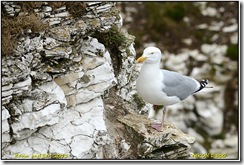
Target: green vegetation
(232, 52)
(112, 39)
(175, 11)
(166, 17)
(164, 22)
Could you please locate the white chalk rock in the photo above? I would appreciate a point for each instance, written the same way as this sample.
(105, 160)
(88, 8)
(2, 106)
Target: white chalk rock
(47, 114)
(211, 117)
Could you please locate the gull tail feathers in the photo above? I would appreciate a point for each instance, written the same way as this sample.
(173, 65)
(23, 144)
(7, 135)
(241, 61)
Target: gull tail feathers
(203, 84)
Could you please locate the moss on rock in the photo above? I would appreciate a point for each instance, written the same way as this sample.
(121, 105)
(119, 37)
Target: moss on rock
(112, 39)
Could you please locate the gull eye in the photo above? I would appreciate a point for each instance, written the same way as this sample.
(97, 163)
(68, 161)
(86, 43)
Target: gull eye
(152, 53)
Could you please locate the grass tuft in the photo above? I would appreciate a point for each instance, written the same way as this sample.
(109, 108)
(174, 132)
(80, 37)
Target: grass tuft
(12, 28)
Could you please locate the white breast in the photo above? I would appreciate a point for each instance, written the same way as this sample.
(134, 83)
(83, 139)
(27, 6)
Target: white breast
(149, 86)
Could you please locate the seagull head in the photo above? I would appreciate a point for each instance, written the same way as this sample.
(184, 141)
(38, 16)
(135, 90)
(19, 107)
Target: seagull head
(150, 55)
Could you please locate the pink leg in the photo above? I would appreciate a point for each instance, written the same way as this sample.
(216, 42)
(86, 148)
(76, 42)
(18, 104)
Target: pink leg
(164, 114)
(159, 126)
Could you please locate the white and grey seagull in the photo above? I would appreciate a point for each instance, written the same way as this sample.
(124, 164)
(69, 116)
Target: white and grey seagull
(163, 87)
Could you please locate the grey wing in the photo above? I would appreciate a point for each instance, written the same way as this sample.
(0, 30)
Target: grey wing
(178, 85)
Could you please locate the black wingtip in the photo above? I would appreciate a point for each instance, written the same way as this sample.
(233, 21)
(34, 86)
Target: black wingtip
(203, 84)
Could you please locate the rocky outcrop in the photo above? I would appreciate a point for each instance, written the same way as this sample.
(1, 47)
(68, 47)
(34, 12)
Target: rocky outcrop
(171, 143)
(53, 85)
(133, 137)
(59, 87)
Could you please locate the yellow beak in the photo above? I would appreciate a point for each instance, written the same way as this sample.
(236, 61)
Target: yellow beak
(141, 59)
